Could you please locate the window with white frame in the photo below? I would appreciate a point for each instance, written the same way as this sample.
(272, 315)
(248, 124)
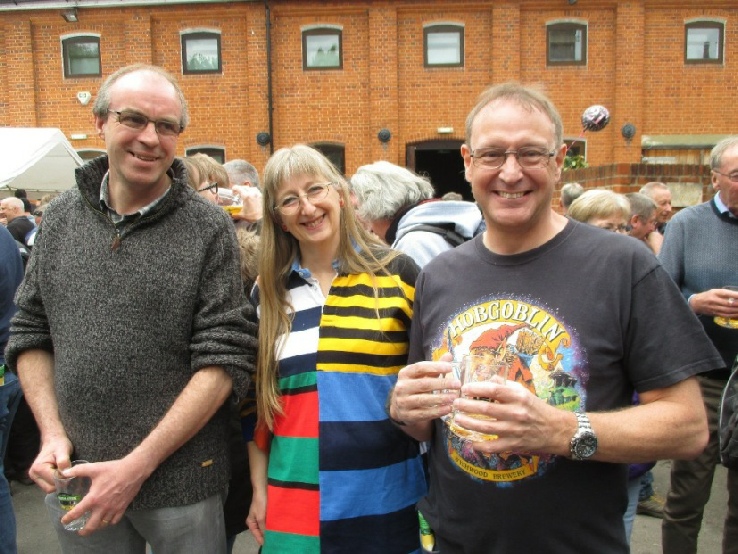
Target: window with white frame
(703, 42)
(566, 43)
(443, 45)
(81, 56)
(201, 52)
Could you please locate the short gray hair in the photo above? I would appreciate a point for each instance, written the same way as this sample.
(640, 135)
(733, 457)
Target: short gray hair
(570, 192)
(13, 202)
(641, 205)
(649, 188)
(102, 102)
(716, 156)
(529, 97)
(382, 189)
(241, 170)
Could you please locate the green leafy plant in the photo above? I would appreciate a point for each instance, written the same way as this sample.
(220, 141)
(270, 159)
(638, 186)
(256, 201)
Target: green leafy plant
(574, 162)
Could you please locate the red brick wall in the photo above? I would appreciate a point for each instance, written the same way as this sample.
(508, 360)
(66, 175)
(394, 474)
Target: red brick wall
(625, 178)
(635, 52)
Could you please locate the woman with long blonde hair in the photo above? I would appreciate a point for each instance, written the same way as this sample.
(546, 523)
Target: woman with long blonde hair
(332, 473)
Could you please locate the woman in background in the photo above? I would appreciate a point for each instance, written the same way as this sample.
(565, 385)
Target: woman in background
(602, 208)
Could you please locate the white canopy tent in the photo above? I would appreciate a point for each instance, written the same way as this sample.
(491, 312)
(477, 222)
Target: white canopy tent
(37, 160)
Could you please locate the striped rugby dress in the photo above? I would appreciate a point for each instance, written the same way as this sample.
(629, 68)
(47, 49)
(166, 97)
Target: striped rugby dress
(341, 477)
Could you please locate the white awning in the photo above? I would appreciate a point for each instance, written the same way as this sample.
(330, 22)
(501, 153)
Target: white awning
(36, 159)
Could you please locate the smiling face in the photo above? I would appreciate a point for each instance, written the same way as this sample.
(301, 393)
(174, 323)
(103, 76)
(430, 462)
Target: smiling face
(316, 224)
(139, 159)
(512, 198)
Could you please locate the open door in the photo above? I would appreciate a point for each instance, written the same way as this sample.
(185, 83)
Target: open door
(441, 162)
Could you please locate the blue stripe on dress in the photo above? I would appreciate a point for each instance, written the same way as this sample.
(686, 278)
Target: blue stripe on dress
(354, 396)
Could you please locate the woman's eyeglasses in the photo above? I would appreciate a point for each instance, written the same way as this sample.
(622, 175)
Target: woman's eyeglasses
(289, 205)
(211, 187)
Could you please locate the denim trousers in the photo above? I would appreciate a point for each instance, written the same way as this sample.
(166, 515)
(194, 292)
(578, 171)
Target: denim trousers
(10, 395)
(646, 490)
(691, 484)
(634, 486)
(193, 529)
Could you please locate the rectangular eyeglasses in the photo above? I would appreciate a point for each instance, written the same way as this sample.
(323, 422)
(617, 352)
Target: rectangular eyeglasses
(138, 121)
(527, 156)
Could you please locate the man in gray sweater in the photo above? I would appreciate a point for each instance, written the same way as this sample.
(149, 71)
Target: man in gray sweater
(700, 252)
(132, 332)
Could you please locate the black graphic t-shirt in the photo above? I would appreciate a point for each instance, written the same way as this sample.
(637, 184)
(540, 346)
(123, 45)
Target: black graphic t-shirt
(581, 322)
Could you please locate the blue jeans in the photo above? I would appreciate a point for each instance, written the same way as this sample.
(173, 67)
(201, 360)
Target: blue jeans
(634, 486)
(193, 529)
(10, 395)
(646, 490)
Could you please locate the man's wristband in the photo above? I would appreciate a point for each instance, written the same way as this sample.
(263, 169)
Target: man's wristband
(387, 410)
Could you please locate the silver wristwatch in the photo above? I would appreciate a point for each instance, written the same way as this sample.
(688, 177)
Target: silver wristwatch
(583, 444)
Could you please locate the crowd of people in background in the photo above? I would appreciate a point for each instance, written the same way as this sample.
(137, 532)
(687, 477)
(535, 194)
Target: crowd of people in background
(289, 346)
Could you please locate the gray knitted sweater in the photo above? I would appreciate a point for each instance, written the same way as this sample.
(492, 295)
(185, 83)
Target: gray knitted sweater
(700, 252)
(129, 326)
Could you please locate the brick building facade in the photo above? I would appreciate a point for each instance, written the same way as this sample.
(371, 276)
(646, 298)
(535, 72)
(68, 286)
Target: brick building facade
(636, 64)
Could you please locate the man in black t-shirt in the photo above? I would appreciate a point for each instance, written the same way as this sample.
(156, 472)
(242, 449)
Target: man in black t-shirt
(583, 317)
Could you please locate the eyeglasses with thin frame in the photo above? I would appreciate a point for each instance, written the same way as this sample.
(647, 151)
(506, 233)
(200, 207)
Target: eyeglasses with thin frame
(137, 121)
(211, 187)
(622, 228)
(289, 205)
(732, 176)
(529, 157)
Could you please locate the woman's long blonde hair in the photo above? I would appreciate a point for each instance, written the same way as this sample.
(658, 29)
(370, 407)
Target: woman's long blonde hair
(358, 252)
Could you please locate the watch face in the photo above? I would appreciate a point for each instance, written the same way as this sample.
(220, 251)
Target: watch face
(586, 445)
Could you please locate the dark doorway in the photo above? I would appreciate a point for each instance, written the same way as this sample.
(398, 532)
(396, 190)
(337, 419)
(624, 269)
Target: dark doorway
(441, 162)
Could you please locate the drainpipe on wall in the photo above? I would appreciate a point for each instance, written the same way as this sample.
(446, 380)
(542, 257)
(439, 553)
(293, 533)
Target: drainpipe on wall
(270, 104)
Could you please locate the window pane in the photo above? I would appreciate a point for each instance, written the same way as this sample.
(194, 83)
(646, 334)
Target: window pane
(323, 51)
(81, 58)
(83, 50)
(444, 48)
(84, 66)
(202, 54)
(565, 45)
(703, 44)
